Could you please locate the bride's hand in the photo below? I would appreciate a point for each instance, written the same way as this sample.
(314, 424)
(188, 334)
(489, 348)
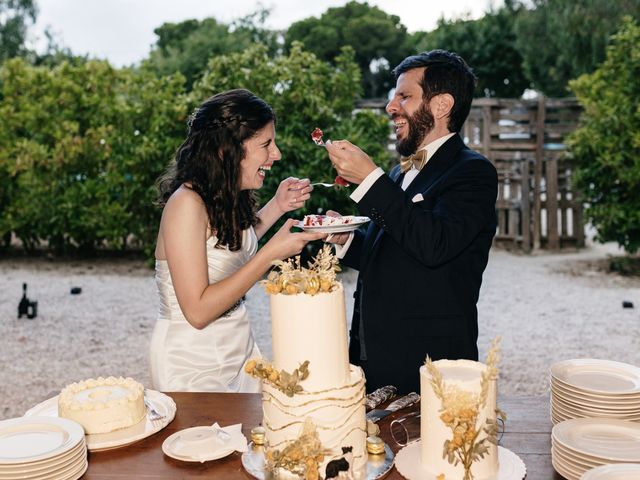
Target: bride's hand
(285, 243)
(292, 193)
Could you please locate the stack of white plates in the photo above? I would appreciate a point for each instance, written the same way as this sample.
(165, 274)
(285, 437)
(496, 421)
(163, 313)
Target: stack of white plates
(42, 448)
(582, 444)
(584, 388)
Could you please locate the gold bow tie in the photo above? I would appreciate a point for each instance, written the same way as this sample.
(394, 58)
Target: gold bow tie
(418, 160)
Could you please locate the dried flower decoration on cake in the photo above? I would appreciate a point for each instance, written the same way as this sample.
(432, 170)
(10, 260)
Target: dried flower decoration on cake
(302, 456)
(287, 383)
(290, 278)
(460, 410)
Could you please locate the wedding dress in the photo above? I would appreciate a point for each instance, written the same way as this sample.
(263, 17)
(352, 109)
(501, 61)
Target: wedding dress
(184, 358)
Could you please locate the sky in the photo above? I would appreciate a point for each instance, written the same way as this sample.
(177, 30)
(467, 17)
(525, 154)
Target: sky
(121, 31)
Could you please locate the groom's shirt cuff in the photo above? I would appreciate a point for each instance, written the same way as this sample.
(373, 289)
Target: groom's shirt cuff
(366, 184)
(341, 250)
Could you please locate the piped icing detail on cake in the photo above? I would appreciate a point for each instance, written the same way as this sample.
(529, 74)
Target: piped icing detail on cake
(103, 405)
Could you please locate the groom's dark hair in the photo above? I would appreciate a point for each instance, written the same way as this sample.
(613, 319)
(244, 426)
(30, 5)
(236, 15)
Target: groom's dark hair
(445, 72)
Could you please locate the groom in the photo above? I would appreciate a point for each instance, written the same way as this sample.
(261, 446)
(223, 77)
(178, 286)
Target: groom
(432, 223)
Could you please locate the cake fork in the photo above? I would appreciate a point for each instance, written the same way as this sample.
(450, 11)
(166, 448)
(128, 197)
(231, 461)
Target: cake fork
(153, 413)
(321, 184)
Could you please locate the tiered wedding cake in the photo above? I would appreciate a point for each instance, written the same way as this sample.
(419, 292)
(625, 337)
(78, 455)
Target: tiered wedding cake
(104, 404)
(309, 334)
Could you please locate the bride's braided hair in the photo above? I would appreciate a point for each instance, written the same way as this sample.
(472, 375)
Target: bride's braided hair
(210, 159)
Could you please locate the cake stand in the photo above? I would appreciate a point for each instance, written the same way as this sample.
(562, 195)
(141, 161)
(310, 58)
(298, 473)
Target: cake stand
(253, 462)
(408, 463)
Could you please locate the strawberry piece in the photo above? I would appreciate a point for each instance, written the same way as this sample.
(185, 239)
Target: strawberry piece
(341, 181)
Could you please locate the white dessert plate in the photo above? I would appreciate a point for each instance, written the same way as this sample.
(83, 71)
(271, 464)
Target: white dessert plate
(599, 376)
(81, 448)
(25, 440)
(125, 436)
(348, 223)
(572, 411)
(408, 463)
(76, 455)
(562, 456)
(562, 388)
(567, 472)
(618, 471)
(196, 444)
(70, 470)
(603, 438)
(593, 400)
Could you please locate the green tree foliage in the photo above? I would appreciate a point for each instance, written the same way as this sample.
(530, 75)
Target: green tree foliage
(186, 47)
(606, 148)
(562, 39)
(488, 45)
(374, 35)
(305, 93)
(15, 18)
(82, 144)
(80, 149)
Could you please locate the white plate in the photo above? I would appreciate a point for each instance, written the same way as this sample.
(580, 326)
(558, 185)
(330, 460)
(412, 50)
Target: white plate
(354, 224)
(561, 387)
(119, 438)
(75, 455)
(569, 474)
(599, 376)
(619, 471)
(25, 440)
(572, 410)
(47, 463)
(563, 456)
(196, 444)
(410, 466)
(603, 438)
(618, 401)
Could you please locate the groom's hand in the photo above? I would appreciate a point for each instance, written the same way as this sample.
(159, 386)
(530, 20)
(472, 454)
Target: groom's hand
(336, 238)
(350, 162)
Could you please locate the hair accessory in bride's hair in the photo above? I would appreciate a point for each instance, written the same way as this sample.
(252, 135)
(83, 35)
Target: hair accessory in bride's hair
(192, 117)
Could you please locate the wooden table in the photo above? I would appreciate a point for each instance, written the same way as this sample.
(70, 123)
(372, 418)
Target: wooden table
(527, 434)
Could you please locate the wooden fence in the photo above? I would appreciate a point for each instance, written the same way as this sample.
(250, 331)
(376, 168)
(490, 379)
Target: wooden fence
(524, 139)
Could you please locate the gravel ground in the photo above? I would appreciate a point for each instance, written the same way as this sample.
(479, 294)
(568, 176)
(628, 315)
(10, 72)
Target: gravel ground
(546, 307)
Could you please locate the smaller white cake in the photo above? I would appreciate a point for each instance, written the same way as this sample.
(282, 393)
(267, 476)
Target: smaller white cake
(103, 405)
(461, 376)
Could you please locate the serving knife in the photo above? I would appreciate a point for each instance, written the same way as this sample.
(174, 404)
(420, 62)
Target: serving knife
(402, 402)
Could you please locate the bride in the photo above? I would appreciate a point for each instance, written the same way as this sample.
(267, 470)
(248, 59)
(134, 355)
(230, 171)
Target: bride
(207, 254)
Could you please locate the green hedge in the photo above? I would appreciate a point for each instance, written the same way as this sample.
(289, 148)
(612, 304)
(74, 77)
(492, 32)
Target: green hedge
(81, 146)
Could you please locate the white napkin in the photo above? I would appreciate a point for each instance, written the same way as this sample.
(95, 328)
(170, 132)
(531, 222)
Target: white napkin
(231, 436)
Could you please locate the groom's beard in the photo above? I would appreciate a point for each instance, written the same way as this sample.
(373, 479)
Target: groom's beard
(420, 124)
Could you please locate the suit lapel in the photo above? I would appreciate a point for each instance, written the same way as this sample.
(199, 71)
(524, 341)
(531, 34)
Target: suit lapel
(442, 160)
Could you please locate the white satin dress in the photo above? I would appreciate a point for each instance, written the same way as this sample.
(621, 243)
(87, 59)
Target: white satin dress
(185, 359)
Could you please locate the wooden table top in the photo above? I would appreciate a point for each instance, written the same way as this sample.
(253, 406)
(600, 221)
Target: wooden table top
(528, 434)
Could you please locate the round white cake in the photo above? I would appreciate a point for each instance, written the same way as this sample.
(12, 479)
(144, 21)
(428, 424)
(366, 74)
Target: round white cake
(465, 376)
(103, 405)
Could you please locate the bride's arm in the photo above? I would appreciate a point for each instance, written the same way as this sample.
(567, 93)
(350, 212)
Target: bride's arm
(291, 195)
(183, 229)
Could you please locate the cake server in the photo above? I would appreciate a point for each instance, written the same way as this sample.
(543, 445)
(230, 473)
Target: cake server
(402, 402)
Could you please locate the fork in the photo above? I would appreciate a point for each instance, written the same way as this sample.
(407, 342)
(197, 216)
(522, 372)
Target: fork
(321, 184)
(153, 413)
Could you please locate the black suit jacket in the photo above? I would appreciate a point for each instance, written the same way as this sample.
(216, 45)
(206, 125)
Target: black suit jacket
(420, 266)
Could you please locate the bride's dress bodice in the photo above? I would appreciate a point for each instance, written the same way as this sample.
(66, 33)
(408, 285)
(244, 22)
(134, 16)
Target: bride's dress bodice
(186, 359)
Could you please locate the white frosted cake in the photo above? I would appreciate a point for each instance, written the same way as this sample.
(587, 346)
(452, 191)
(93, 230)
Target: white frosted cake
(310, 382)
(462, 386)
(103, 404)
